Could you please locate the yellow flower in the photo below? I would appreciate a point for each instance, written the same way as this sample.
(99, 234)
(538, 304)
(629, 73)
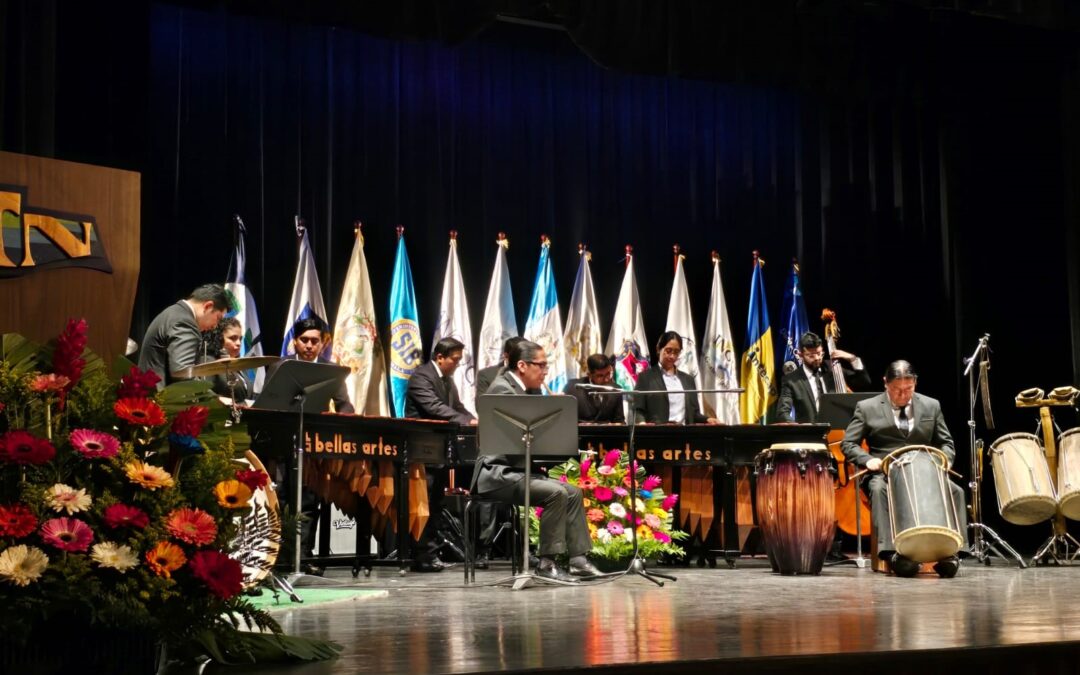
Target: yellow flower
(588, 503)
(660, 513)
(22, 564)
(165, 558)
(66, 498)
(147, 475)
(644, 532)
(232, 494)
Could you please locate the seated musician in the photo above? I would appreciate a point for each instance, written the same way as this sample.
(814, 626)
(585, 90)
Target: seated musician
(231, 384)
(173, 340)
(801, 389)
(309, 338)
(888, 421)
(485, 376)
(676, 407)
(593, 407)
(563, 528)
(432, 395)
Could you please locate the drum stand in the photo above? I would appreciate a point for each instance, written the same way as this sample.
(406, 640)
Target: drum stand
(1061, 547)
(984, 541)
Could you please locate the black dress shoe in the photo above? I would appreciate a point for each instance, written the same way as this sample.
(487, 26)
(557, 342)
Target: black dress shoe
(313, 570)
(555, 573)
(581, 567)
(481, 561)
(426, 566)
(902, 566)
(948, 567)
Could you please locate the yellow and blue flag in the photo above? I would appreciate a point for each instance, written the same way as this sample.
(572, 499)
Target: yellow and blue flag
(758, 365)
(405, 344)
(794, 315)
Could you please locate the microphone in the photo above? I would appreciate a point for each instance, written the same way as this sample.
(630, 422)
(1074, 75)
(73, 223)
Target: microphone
(586, 386)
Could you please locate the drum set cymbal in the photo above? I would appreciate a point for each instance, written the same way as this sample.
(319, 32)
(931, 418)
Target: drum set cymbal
(225, 366)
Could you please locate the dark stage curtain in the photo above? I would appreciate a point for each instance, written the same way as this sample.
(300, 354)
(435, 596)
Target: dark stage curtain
(927, 211)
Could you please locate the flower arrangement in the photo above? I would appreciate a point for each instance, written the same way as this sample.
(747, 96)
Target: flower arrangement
(614, 515)
(121, 507)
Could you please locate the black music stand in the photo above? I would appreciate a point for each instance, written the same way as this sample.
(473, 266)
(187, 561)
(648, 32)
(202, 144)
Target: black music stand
(294, 386)
(837, 409)
(526, 426)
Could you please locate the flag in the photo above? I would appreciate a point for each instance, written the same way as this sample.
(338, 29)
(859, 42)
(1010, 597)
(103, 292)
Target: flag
(793, 314)
(758, 366)
(307, 300)
(543, 324)
(626, 339)
(582, 338)
(357, 343)
(680, 320)
(405, 344)
(454, 322)
(243, 308)
(719, 362)
(499, 322)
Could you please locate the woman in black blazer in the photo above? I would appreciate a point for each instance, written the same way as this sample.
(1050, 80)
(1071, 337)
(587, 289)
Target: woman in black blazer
(661, 409)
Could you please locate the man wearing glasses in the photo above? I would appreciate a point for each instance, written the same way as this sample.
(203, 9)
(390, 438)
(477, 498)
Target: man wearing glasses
(563, 528)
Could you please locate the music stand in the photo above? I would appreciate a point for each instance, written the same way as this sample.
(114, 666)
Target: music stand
(837, 409)
(526, 426)
(292, 387)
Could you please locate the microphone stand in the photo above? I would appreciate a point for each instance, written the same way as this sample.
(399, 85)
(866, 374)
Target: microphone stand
(637, 563)
(981, 548)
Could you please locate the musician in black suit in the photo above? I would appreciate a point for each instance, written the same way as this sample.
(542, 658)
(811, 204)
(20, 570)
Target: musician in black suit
(309, 338)
(801, 389)
(173, 340)
(676, 407)
(888, 421)
(593, 407)
(485, 376)
(432, 395)
(563, 528)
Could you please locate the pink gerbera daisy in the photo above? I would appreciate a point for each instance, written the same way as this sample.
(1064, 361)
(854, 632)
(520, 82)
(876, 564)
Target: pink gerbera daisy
(602, 493)
(94, 444)
(122, 515)
(67, 534)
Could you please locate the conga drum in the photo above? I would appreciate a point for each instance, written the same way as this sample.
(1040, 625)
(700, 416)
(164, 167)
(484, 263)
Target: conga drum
(1068, 487)
(921, 508)
(795, 505)
(1025, 489)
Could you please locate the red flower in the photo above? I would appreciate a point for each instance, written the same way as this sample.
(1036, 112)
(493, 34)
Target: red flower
(141, 411)
(17, 520)
(253, 478)
(192, 526)
(138, 383)
(67, 359)
(49, 383)
(587, 483)
(190, 422)
(219, 572)
(20, 447)
(122, 515)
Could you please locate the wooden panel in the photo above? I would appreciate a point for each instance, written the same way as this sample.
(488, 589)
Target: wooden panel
(39, 303)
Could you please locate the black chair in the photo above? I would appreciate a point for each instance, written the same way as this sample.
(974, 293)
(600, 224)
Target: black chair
(472, 532)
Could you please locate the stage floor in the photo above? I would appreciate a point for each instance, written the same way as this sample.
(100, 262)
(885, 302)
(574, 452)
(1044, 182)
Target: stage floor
(992, 619)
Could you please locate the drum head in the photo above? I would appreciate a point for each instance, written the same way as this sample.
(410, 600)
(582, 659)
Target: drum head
(937, 455)
(928, 544)
(1019, 436)
(795, 447)
(258, 537)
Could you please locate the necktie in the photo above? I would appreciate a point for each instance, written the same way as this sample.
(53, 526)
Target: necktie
(905, 421)
(820, 381)
(449, 391)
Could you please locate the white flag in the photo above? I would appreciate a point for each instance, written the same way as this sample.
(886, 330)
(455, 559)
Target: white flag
(544, 325)
(357, 343)
(719, 362)
(307, 300)
(499, 322)
(243, 303)
(680, 320)
(454, 322)
(582, 338)
(627, 339)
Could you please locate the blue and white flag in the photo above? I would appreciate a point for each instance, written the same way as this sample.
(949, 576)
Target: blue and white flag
(454, 322)
(307, 299)
(499, 322)
(243, 308)
(357, 342)
(544, 325)
(405, 344)
(793, 315)
(582, 338)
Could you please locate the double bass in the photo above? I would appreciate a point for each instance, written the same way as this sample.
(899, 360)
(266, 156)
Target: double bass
(846, 506)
